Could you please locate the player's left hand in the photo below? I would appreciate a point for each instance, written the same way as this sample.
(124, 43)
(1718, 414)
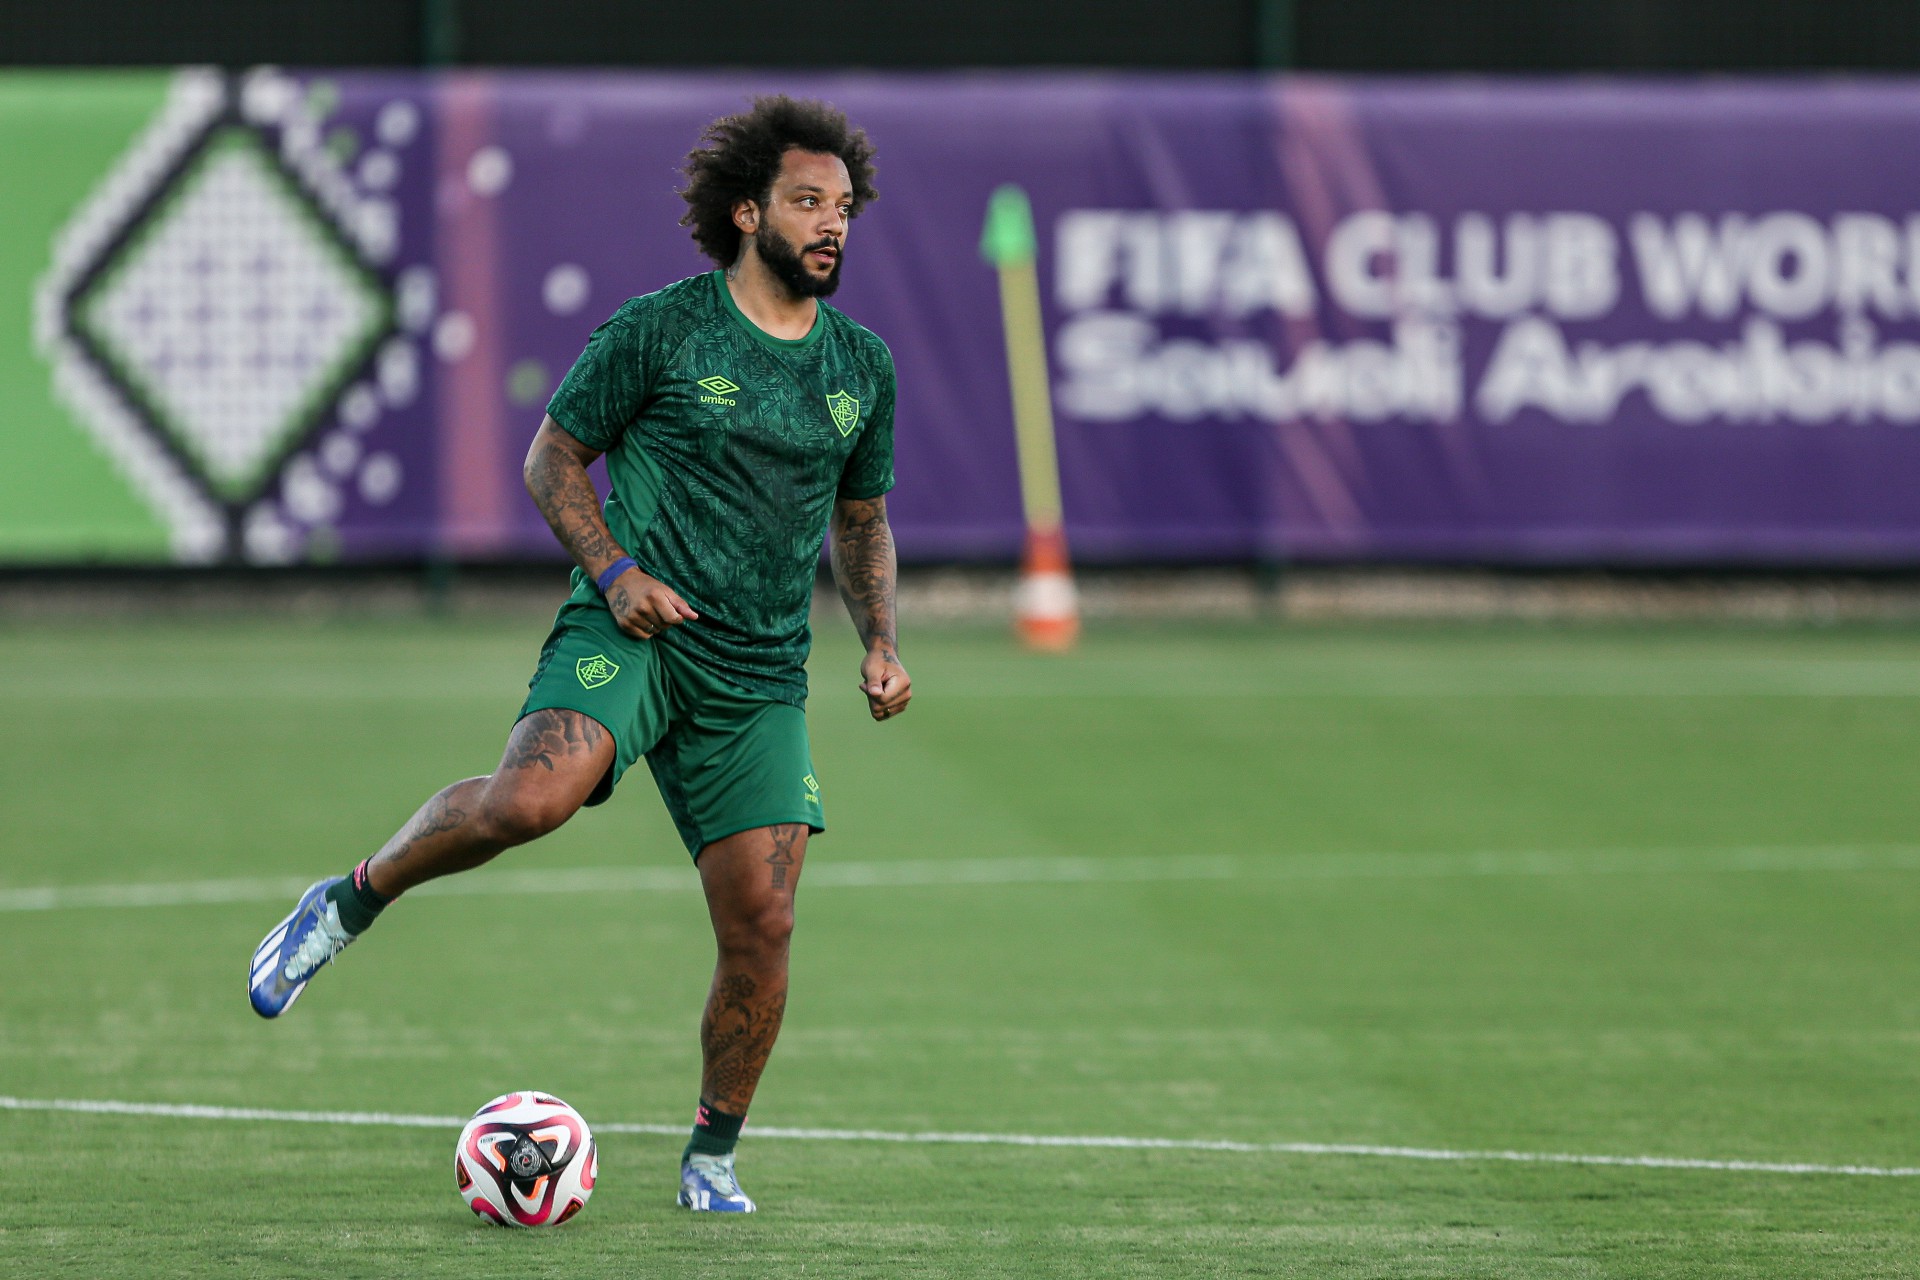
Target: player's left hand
(885, 682)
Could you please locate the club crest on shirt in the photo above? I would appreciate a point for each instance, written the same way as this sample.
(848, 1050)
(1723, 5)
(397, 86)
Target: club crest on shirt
(595, 671)
(845, 410)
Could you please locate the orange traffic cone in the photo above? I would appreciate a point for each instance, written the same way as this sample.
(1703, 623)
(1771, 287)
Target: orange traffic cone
(1046, 610)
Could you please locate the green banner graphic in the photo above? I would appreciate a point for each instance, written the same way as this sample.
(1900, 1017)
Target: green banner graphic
(201, 358)
(62, 496)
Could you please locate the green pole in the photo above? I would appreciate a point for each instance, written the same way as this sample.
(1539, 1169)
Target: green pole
(1276, 35)
(1046, 614)
(439, 32)
(1009, 243)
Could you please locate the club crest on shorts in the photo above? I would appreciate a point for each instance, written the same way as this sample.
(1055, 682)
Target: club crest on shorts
(845, 410)
(595, 671)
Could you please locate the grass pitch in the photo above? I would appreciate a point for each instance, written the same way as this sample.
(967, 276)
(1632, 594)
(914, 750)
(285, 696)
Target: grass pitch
(1590, 891)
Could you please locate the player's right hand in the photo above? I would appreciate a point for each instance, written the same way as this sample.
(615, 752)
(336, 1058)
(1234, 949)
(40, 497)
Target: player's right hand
(643, 607)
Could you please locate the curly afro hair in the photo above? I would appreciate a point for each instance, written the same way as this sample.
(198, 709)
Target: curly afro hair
(740, 157)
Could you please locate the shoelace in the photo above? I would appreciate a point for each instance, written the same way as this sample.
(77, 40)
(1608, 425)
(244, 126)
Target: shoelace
(318, 947)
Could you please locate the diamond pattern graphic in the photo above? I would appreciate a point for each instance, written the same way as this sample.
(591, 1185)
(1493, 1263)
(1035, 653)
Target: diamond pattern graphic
(232, 315)
(719, 386)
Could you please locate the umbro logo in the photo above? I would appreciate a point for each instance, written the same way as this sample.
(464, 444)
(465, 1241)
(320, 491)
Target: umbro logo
(720, 388)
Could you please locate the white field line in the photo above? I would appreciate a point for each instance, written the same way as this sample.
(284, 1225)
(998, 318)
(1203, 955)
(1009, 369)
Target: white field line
(188, 1111)
(960, 872)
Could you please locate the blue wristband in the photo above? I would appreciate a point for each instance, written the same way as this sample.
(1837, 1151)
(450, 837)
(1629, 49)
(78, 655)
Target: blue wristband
(612, 571)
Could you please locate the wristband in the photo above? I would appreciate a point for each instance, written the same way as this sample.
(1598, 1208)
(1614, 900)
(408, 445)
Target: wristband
(613, 571)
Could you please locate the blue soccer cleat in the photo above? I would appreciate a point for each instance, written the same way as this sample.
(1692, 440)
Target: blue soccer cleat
(293, 952)
(707, 1185)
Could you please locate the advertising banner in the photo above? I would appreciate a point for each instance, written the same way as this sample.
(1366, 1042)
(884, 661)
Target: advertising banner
(274, 317)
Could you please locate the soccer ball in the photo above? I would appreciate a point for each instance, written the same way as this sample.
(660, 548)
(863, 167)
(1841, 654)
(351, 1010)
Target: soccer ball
(526, 1159)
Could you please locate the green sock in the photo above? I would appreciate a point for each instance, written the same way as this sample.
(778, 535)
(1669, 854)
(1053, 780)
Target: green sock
(715, 1133)
(356, 900)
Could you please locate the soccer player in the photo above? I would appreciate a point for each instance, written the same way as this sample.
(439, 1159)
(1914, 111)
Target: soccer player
(742, 419)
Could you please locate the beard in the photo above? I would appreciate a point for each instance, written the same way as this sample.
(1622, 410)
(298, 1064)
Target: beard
(790, 269)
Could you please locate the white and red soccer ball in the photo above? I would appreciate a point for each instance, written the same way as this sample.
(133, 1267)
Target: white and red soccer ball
(526, 1159)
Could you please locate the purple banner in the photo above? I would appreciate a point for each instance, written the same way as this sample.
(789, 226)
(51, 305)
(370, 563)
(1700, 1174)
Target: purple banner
(1526, 321)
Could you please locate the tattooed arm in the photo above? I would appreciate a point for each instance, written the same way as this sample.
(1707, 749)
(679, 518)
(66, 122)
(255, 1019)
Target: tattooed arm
(556, 476)
(865, 568)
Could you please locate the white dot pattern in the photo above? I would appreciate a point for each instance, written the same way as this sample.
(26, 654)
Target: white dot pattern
(566, 289)
(234, 314)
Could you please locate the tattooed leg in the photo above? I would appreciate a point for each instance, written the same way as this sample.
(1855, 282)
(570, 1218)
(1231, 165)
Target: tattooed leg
(552, 763)
(784, 859)
(750, 880)
(436, 841)
(737, 1031)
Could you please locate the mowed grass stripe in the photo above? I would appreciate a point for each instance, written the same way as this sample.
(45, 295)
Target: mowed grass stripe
(490, 663)
(195, 1111)
(963, 872)
(1071, 684)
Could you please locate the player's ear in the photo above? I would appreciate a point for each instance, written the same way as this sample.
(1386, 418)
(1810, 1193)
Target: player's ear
(746, 216)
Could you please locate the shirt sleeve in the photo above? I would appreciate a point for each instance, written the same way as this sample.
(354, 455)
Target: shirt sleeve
(869, 469)
(604, 392)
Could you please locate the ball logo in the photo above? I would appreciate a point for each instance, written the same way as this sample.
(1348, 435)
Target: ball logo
(527, 1160)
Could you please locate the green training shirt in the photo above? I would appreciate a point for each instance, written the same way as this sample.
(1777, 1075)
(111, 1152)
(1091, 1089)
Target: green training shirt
(726, 448)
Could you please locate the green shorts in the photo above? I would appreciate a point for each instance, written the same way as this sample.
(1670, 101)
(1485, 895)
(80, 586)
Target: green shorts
(725, 759)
